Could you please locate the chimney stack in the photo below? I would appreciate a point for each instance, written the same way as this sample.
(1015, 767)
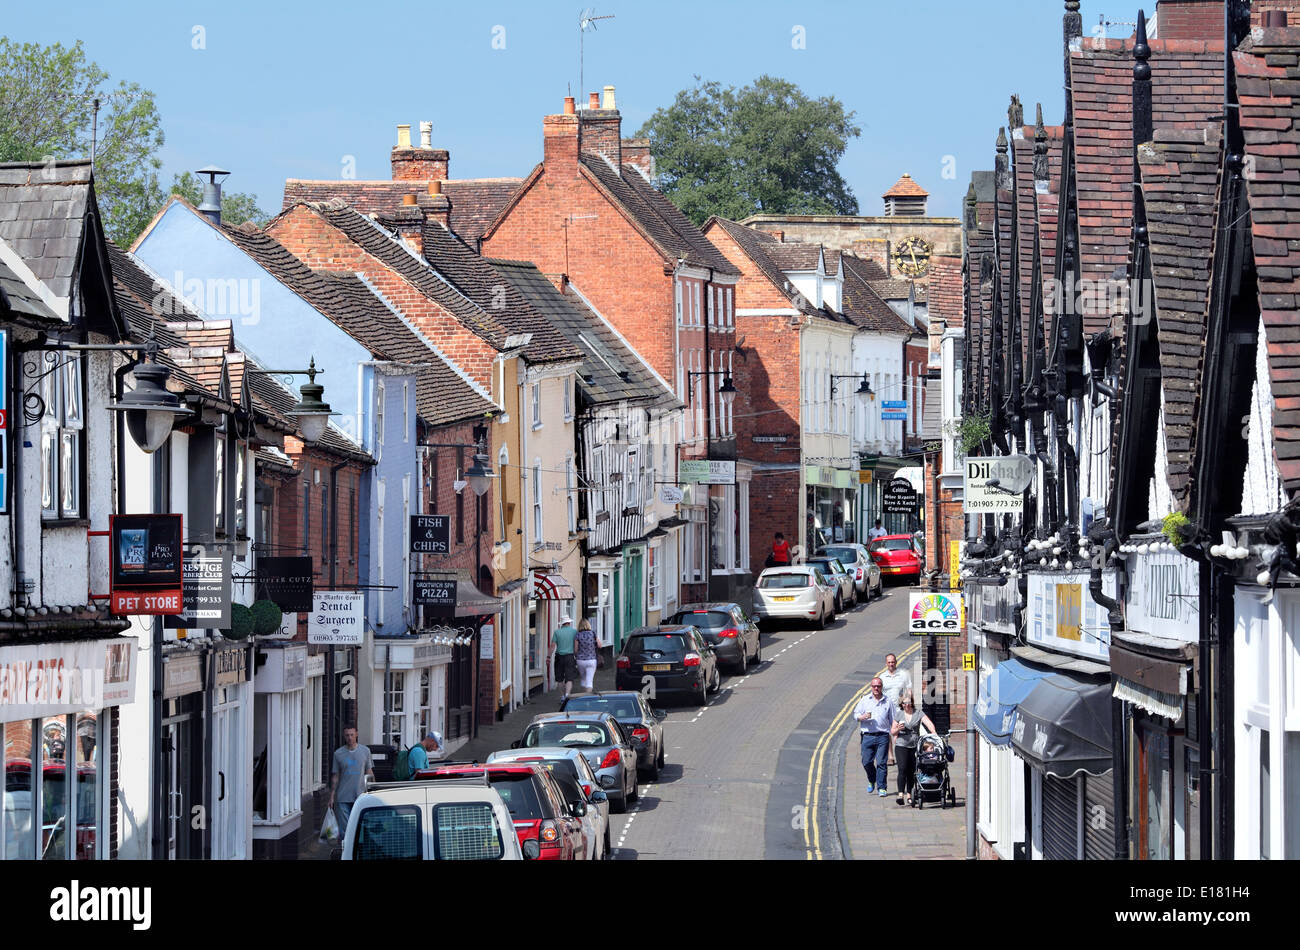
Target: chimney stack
(608, 103)
(560, 141)
(569, 106)
(426, 135)
(418, 164)
(601, 130)
(637, 152)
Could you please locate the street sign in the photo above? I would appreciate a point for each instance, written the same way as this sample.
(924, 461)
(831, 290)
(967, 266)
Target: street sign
(934, 614)
(286, 582)
(899, 498)
(430, 534)
(145, 576)
(706, 471)
(205, 595)
(1011, 475)
(337, 617)
(438, 597)
(772, 439)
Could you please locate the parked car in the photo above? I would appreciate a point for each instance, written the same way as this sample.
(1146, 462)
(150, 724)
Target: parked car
(897, 556)
(643, 724)
(794, 592)
(733, 636)
(425, 821)
(857, 561)
(675, 659)
(605, 744)
(846, 593)
(570, 769)
(539, 809)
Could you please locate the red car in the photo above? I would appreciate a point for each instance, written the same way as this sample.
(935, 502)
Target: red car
(536, 804)
(897, 556)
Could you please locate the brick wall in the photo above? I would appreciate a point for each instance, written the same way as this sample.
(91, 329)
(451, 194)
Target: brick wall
(773, 507)
(945, 293)
(320, 245)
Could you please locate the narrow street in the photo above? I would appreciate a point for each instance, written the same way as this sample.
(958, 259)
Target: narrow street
(759, 771)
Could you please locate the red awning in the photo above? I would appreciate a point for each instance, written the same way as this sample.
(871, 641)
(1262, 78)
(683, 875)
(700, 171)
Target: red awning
(552, 587)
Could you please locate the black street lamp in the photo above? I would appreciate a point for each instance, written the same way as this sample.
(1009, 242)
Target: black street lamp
(150, 409)
(863, 392)
(310, 413)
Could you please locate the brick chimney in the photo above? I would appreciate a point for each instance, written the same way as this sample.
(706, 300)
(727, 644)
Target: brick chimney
(407, 221)
(424, 163)
(1188, 20)
(560, 141)
(602, 129)
(637, 152)
(774, 232)
(435, 205)
(1275, 14)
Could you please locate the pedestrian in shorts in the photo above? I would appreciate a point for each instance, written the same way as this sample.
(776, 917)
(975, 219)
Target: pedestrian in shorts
(566, 661)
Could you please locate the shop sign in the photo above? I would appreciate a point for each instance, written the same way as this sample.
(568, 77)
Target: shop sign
(286, 582)
(934, 614)
(1013, 474)
(284, 670)
(315, 665)
(288, 628)
(899, 498)
(182, 675)
(865, 476)
(487, 643)
(430, 534)
(145, 576)
(706, 471)
(57, 678)
(671, 495)
(337, 617)
(229, 667)
(1164, 596)
(1061, 614)
(893, 410)
(205, 595)
(438, 597)
(954, 565)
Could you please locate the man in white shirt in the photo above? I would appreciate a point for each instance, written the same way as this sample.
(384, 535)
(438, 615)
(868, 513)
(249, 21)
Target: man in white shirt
(875, 714)
(877, 531)
(895, 681)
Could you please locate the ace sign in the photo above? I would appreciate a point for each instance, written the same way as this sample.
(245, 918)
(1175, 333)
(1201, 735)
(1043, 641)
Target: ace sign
(934, 614)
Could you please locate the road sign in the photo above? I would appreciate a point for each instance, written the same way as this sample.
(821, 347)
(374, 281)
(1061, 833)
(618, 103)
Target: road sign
(899, 498)
(430, 534)
(1010, 475)
(968, 662)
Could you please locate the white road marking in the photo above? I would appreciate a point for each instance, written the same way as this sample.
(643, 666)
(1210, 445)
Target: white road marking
(631, 815)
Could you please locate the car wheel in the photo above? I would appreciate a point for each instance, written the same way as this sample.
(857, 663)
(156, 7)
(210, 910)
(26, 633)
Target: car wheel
(704, 692)
(659, 763)
(608, 850)
(636, 786)
(717, 681)
(839, 604)
(758, 651)
(652, 773)
(821, 621)
(743, 665)
(618, 805)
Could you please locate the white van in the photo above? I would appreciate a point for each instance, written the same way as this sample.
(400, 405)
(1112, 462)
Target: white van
(443, 821)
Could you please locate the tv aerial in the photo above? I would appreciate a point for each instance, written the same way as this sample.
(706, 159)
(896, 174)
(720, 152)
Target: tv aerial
(586, 20)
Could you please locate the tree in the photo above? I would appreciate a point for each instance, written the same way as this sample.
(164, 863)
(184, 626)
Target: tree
(47, 110)
(236, 207)
(764, 148)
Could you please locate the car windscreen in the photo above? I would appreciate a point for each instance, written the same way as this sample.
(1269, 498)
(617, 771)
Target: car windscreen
(566, 734)
(519, 794)
(661, 642)
(620, 707)
(846, 556)
(828, 566)
(893, 544)
(784, 581)
(704, 619)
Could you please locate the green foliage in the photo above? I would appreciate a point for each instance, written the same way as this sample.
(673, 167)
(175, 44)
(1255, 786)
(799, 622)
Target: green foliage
(266, 616)
(764, 148)
(236, 207)
(1177, 528)
(47, 96)
(241, 622)
(973, 431)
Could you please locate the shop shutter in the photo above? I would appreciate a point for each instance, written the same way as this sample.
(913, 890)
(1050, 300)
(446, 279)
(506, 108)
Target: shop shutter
(1099, 817)
(1060, 818)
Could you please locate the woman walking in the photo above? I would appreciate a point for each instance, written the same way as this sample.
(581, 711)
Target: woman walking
(907, 733)
(587, 650)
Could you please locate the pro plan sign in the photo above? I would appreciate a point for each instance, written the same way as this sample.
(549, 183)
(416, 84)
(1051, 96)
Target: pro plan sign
(337, 617)
(145, 576)
(430, 534)
(438, 597)
(935, 614)
(899, 498)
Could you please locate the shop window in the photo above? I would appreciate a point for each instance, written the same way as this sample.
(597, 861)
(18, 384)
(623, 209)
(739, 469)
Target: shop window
(63, 444)
(654, 564)
(424, 705)
(394, 708)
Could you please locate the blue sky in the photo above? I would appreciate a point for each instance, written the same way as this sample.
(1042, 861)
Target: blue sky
(291, 89)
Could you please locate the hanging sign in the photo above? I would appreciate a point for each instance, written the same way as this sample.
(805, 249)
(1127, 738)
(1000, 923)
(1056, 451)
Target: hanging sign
(205, 595)
(706, 471)
(671, 495)
(1012, 474)
(337, 617)
(934, 614)
(899, 498)
(288, 628)
(430, 534)
(286, 582)
(145, 575)
(438, 597)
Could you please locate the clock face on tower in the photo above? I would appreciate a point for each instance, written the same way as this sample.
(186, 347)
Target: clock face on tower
(912, 256)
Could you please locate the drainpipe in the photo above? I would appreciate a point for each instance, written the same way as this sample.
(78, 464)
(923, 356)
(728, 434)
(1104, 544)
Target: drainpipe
(1100, 533)
(336, 740)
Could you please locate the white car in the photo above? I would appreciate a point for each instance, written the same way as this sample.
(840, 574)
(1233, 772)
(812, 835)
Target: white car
(450, 820)
(794, 592)
(578, 779)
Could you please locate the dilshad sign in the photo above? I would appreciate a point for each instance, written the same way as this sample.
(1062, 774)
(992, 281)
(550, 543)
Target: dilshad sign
(145, 575)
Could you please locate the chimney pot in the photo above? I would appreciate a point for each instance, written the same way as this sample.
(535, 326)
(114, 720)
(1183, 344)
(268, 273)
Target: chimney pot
(568, 106)
(435, 187)
(594, 101)
(408, 200)
(404, 136)
(1274, 19)
(426, 135)
(609, 98)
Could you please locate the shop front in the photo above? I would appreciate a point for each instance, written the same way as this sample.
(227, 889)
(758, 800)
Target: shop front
(279, 690)
(181, 765)
(59, 708)
(230, 814)
(830, 506)
(408, 688)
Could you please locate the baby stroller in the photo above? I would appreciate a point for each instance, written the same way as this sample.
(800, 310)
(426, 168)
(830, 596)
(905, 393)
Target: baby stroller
(932, 757)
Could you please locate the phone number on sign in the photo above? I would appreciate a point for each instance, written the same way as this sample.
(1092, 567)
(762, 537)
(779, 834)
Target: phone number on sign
(994, 504)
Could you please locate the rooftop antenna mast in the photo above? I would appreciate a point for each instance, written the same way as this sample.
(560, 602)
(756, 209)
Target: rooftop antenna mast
(586, 19)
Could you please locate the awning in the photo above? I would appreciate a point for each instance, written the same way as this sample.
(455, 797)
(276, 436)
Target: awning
(1154, 683)
(1063, 726)
(1009, 683)
(471, 602)
(552, 587)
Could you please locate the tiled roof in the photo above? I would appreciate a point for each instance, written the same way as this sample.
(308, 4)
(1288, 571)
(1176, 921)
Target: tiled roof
(832, 261)
(1022, 166)
(610, 371)
(897, 288)
(17, 299)
(905, 187)
(794, 256)
(945, 297)
(42, 217)
(674, 234)
(475, 202)
(756, 246)
(1180, 173)
(862, 305)
(442, 395)
(1268, 84)
(1186, 90)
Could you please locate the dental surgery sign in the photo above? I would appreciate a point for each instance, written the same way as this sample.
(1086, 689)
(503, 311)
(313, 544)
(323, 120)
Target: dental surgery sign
(337, 617)
(934, 614)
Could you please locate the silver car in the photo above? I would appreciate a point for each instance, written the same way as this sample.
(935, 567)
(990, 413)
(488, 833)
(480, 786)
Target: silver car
(606, 746)
(835, 572)
(794, 592)
(857, 561)
(596, 821)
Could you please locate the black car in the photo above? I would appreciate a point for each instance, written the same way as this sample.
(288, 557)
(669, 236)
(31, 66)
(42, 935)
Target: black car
(733, 636)
(642, 723)
(668, 660)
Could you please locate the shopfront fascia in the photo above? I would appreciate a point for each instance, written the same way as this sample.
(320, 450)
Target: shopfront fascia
(831, 505)
(408, 689)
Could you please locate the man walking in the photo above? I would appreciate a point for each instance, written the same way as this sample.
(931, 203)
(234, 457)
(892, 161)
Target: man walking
(566, 662)
(875, 716)
(430, 745)
(896, 681)
(351, 762)
(877, 532)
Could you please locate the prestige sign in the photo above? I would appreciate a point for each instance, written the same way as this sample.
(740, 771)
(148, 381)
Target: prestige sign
(145, 573)
(205, 595)
(337, 617)
(430, 534)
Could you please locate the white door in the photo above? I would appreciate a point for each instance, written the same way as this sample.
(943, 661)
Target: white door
(227, 793)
